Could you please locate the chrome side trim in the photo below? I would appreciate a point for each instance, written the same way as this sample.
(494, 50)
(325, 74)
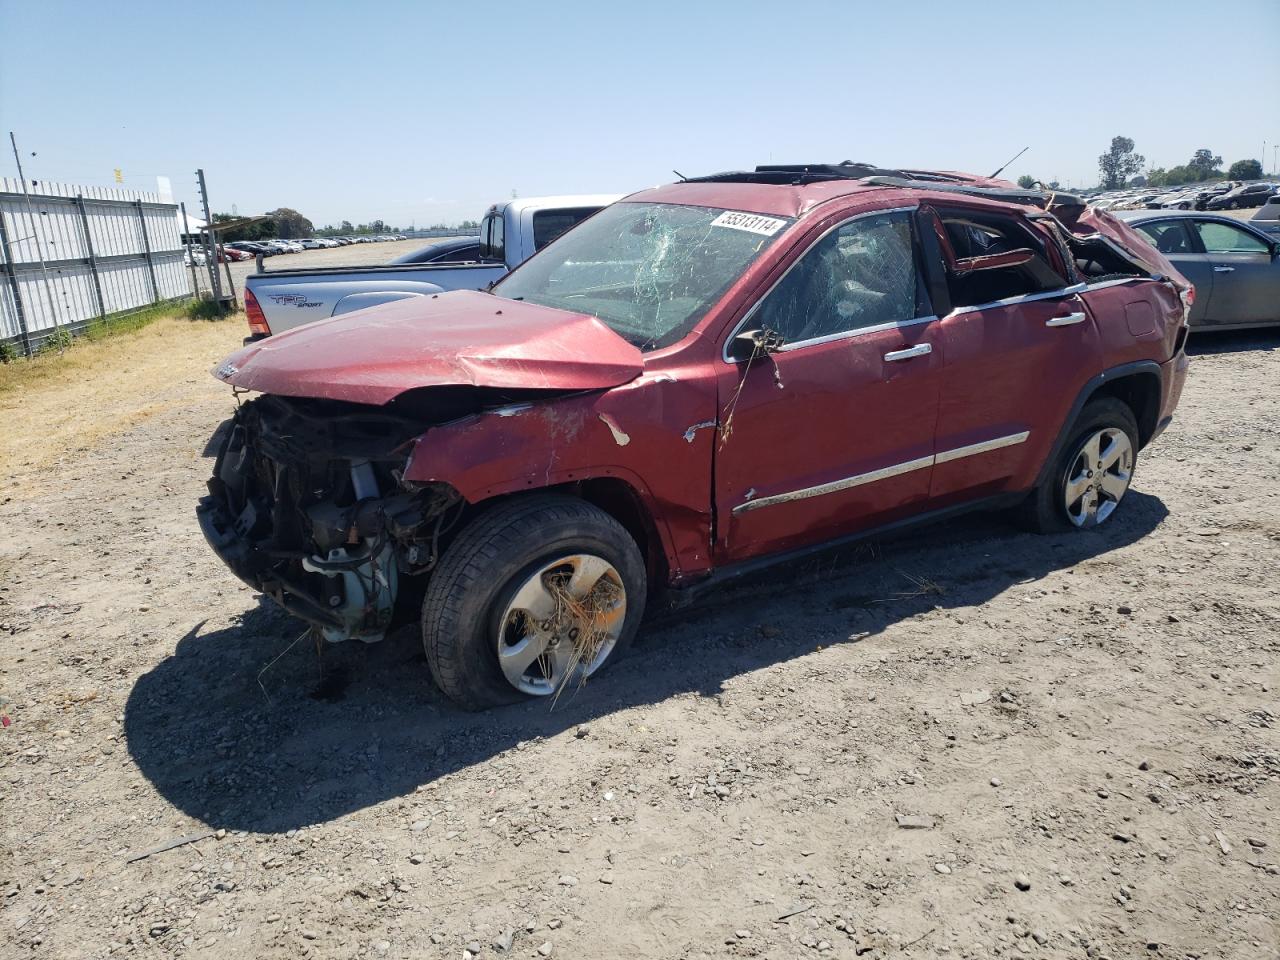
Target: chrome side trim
(885, 473)
(1118, 282)
(985, 446)
(835, 486)
(1027, 298)
(746, 317)
(858, 332)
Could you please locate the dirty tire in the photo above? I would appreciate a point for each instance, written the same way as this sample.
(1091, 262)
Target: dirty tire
(1044, 511)
(483, 568)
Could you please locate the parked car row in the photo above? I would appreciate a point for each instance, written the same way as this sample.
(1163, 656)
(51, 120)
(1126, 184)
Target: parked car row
(193, 254)
(1228, 195)
(269, 248)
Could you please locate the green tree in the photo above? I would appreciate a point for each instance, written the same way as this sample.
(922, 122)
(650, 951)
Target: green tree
(1026, 182)
(1204, 160)
(1245, 170)
(1177, 176)
(262, 230)
(290, 224)
(1119, 163)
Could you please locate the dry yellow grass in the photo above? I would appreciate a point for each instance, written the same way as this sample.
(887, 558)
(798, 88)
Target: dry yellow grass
(59, 403)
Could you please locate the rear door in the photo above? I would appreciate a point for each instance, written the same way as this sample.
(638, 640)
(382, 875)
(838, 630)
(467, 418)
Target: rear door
(1246, 284)
(833, 433)
(1176, 239)
(1019, 343)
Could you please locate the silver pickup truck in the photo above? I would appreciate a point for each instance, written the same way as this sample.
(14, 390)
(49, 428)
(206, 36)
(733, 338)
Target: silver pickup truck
(510, 233)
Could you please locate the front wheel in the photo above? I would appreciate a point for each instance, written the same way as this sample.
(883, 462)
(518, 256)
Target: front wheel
(534, 597)
(1092, 473)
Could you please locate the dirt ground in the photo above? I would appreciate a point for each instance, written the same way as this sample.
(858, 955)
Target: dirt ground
(1079, 732)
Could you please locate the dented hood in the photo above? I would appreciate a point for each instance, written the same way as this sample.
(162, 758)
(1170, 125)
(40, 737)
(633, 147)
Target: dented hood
(449, 339)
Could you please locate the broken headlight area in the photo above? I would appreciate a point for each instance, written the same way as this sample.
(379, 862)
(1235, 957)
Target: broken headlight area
(307, 504)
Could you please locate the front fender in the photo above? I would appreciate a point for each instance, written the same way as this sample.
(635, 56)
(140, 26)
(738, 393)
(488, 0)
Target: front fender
(639, 433)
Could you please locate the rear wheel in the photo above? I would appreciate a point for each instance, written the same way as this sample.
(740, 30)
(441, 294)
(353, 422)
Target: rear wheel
(533, 598)
(1092, 473)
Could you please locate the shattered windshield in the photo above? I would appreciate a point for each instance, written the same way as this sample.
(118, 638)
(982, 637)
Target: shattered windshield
(649, 271)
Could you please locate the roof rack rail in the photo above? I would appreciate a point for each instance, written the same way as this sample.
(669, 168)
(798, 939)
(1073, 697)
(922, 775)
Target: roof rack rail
(798, 174)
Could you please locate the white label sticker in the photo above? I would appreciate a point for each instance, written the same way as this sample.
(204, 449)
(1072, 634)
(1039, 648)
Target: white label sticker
(751, 222)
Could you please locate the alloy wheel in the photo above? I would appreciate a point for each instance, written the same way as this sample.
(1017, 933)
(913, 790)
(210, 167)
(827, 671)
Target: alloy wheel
(1098, 477)
(561, 624)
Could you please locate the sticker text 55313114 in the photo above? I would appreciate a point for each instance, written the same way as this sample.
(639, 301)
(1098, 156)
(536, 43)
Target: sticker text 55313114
(751, 222)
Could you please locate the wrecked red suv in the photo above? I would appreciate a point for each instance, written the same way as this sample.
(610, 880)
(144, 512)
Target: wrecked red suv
(699, 379)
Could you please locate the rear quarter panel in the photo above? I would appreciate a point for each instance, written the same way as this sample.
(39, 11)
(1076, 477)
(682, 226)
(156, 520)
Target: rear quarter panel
(1136, 320)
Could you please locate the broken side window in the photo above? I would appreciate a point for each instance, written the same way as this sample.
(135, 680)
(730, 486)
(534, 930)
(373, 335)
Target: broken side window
(1099, 259)
(995, 258)
(861, 275)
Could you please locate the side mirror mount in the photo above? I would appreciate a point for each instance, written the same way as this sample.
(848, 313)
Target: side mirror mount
(751, 343)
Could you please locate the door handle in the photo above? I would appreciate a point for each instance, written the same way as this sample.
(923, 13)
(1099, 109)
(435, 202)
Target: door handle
(1224, 269)
(1070, 320)
(919, 350)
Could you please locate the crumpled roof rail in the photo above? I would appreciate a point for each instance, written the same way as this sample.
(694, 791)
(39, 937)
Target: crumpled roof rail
(796, 175)
(1031, 198)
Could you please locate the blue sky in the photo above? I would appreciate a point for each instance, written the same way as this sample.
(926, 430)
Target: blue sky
(429, 111)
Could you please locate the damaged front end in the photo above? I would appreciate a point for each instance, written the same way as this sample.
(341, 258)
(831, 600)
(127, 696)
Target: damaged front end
(308, 504)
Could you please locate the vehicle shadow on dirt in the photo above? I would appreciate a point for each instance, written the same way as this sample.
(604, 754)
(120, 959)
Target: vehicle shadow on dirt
(243, 730)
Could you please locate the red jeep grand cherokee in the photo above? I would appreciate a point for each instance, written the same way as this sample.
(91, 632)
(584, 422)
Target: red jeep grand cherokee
(722, 372)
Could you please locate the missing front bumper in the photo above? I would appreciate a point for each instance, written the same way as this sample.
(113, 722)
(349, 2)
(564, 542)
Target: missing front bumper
(244, 560)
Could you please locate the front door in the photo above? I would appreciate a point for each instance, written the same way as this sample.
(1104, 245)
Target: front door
(833, 432)
(1246, 277)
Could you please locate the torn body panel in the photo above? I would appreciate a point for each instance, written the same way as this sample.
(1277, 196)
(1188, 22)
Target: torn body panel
(306, 505)
(636, 433)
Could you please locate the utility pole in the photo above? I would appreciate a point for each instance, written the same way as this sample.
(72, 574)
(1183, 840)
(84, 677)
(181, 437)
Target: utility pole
(35, 236)
(186, 232)
(211, 245)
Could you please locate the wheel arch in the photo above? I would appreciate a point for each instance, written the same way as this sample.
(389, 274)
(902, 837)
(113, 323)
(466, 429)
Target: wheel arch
(1140, 391)
(1136, 384)
(621, 499)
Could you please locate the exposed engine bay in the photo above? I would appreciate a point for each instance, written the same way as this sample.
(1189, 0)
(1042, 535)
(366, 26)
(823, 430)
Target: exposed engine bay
(308, 504)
